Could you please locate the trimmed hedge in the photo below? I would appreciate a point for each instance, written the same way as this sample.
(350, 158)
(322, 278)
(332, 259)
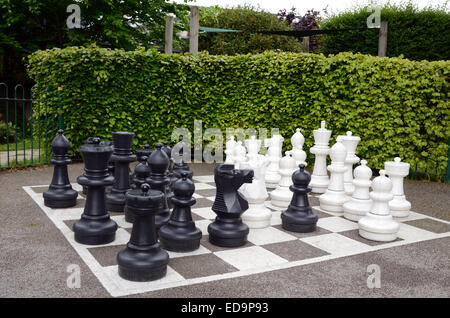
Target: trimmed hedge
(395, 105)
(417, 34)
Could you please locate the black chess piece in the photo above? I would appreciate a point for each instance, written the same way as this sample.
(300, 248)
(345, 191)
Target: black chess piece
(169, 191)
(141, 153)
(95, 226)
(180, 233)
(60, 193)
(141, 173)
(110, 166)
(122, 157)
(179, 161)
(143, 259)
(299, 216)
(227, 229)
(158, 163)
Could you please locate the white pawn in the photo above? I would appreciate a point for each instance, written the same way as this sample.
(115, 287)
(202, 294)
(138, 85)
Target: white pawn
(360, 203)
(229, 150)
(334, 197)
(257, 215)
(282, 195)
(397, 170)
(350, 142)
(239, 155)
(253, 146)
(378, 224)
(319, 178)
(273, 155)
(297, 141)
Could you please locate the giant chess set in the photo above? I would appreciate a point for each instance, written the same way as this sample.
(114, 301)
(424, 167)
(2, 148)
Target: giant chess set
(160, 226)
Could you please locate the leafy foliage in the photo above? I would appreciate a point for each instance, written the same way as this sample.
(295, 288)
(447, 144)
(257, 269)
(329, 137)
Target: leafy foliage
(395, 105)
(416, 34)
(244, 18)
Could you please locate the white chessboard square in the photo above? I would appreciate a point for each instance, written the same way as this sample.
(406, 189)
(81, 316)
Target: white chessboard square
(203, 225)
(68, 214)
(209, 178)
(120, 220)
(317, 207)
(336, 244)
(197, 196)
(205, 213)
(250, 258)
(203, 186)
(412, 233)
(77, 187)
(268, 235)
(411, 217)
(112, 272)
(201, 250)
(337, 224)
(276, 218)
(211, 198)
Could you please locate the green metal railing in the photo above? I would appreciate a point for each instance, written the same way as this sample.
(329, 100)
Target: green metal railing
(28, 122)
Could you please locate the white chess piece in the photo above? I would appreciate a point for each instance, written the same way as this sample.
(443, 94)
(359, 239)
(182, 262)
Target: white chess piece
(229, 150)
(257, 215)
(360, 203)
(239, 154)
(273, 155)
(397, 170)
(319, 178)
(378, 224)
(350, 142)
(297, 141)
(334, 197)
(253, 146)
(282, 195)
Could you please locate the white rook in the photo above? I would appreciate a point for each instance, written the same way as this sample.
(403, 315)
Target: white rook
(319, 178)
(397, 171)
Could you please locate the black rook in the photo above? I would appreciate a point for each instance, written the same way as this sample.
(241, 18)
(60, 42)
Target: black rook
(95, 226)
(60, 193)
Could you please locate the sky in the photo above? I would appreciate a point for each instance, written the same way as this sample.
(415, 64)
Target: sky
(334, 6)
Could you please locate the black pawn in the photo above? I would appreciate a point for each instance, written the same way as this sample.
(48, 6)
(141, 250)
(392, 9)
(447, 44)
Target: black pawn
(180, 233)
(122, 157)
(227, 229)
(141, 173)
(60, 193)
(143, 259)
(299, 216)
(158, 163)
(95, 226)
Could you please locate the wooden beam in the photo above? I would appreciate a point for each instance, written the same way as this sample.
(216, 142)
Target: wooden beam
(305, 44)
(382, 39)
(168, 44)
(193, 31)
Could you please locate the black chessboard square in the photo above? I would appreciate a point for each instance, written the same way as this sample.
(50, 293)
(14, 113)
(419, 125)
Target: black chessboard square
(295, 250)
(200, 265)
(202, 203)
(106, 255)
(70, 223)
(318, 231)
(206, 193)
(214, 248)
(430, 225)
(354, 235)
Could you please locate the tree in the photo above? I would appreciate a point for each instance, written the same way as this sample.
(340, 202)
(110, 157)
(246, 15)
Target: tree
(245, 18)
(29, 25)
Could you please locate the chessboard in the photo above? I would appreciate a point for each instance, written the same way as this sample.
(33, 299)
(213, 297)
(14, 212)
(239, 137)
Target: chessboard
(267, 249)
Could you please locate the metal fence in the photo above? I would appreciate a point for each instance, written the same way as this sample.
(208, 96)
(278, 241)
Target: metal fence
(28, 122)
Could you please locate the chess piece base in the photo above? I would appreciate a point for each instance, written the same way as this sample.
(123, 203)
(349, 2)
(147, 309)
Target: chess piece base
(271, 185)
(319, 184)
(380, 228)
(355, 209)
(161, 219)
(281, 197)
(333, 201)
(399, 207)
(115, 201)
(179, 239)
(296, 220)
(142, 265)
(257, 216)
(94, 232)
(60, 198)
(229, 232)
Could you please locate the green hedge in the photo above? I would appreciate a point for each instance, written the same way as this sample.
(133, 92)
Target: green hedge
(395, 105)
(417, 34)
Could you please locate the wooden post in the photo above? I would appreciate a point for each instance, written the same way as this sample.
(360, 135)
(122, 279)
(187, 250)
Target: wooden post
(305, 44)
(193, 31)
(169, 35)
(382, 39)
